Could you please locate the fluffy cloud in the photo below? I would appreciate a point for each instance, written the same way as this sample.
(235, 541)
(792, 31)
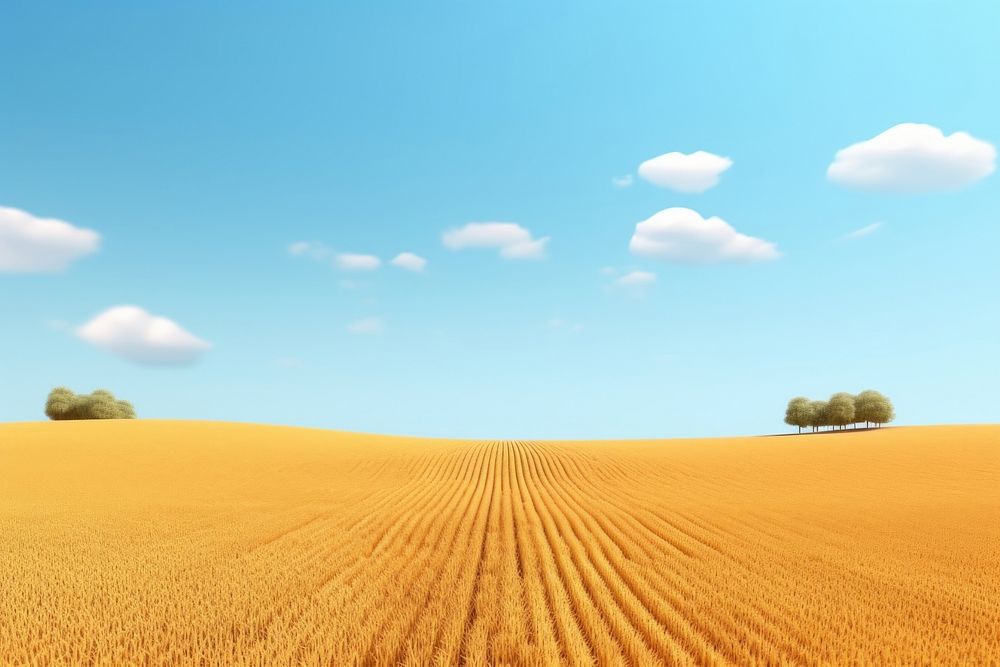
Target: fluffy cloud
(513, 240)
(409, 261)
(864, 231)
(135, 335)
(622, 181)
(368, 326)
(347, 261)
(636, 278)
(682, 235)
(912, 157)
(37, 245)
(694, 172)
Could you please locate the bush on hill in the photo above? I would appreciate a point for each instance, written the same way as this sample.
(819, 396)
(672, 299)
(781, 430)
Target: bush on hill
(842, 409)
(63, 404)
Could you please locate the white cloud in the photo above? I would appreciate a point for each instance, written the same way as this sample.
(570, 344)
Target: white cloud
(630, 281)
(347, 261)
(409, 261)
(513, 240)
(864, 231)
(534, 249)
(310, 249)
(136, 335)
(636, 278)
(39, 245)
(694, 172)
(913, 157)
(682, 235)
(622, 181)
(368, 326)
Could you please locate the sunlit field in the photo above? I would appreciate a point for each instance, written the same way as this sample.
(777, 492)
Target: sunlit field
(177, 543)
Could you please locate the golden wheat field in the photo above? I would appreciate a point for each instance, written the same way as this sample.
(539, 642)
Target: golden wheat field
(179, 543)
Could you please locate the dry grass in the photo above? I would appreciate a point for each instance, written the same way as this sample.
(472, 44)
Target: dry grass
(162, 543)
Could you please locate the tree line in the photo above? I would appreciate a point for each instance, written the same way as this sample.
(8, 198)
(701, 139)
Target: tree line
(99, 404)
(840, 410)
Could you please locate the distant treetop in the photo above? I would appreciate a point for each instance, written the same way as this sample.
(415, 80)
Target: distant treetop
(63, 404)
(842, 409)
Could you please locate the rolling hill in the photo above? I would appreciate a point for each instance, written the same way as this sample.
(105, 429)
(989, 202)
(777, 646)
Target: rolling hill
(163, 543)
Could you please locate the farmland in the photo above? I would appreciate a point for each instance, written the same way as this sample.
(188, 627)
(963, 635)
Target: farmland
(178, 543)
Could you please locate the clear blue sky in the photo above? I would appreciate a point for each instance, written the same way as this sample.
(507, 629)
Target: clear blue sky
(200, 140)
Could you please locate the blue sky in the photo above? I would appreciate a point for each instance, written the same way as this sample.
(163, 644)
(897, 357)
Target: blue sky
(201, 140)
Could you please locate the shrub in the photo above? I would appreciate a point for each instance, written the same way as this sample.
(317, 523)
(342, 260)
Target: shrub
(63, 404)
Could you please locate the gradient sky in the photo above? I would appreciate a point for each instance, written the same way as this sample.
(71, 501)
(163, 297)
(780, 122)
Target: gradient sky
(201, 140)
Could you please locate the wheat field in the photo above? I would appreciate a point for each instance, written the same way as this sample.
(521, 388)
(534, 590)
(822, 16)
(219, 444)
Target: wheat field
(181, 543)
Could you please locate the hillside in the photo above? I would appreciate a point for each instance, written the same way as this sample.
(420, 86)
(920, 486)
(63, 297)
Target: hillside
(144, 542)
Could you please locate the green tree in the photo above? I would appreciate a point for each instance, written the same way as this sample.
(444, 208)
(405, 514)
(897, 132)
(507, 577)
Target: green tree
(59, 403)
(872, 407)
(865, 405)
(884, 411)
(798, 412)
(102, 406)
(818, 414)
(840, 409)
(125, 410)
(63, 404)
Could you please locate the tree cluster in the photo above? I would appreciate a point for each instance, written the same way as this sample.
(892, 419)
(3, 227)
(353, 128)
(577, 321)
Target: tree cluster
(100, 404)
(869, 407)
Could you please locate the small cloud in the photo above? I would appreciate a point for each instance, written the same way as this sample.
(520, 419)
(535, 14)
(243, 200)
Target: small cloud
(135, 335)
(41, 245)
(861, 233)
(368, 326)
(310, 249)
(346, 261)
(636, 278)
(682, 235)
(633, 282)
(622, 181)
(693, 173)
(913, 157)
(409, 261)
(288, 362)
(513, 240)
